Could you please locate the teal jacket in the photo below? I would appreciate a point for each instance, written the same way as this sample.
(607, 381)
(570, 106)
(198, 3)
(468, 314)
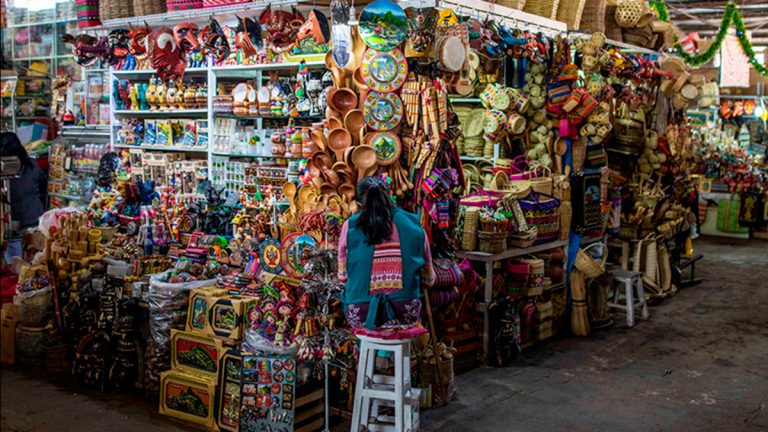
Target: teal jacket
(360, 261)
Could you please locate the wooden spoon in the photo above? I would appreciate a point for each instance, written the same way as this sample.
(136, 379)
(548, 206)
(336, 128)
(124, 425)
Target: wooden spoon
(319, 138)
(339, 140)
(289, 189)
(364, 158)
(354, 122)
(335, 123)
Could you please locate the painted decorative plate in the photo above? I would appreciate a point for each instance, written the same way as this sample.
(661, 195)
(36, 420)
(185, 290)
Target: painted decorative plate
(271, 255)
(383, 111)
(383, 25)
(293, 251)
(384, 71)
(387, 146)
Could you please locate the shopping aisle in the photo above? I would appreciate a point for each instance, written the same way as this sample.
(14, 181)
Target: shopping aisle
(697, 365)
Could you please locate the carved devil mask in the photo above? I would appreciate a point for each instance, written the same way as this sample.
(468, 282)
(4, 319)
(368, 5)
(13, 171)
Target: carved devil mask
(282, 26)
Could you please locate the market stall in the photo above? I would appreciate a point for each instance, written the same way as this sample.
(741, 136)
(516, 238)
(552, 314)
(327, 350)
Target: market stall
(197, 260)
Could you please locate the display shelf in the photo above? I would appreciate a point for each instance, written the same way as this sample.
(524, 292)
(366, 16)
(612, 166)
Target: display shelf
(162, 148)
(489, 260)
(477, 158)
(237, 117)
(248, 71)
(240, 155)
(160, 113)
(146, 73)
(628, 48)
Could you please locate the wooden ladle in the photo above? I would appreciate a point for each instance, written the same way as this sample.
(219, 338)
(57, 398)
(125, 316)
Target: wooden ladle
(364, 158)
(339, 140)
(289, 190)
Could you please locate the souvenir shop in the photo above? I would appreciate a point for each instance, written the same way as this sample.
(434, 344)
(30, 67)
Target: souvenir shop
(203, 157)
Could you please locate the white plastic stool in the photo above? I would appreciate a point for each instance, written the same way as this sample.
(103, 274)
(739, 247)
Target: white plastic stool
(633, 286)
(383, 390)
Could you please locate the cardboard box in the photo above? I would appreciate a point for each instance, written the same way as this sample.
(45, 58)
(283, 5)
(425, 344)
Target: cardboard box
(199, 303)
(187, 397)
(226, 316)
(195, 354)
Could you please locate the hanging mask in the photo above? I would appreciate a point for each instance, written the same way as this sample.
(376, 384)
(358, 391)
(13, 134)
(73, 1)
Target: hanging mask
(315, 27)
(421, 26)
(214, 41)
(167, 56)
(282, 27)
(248, 36)
(87, 49)
(137, 40)
(186, 35)
(118, 45)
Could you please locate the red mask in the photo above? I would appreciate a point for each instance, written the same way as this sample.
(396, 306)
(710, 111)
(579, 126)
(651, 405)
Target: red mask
(167, 56)
(137, 40)
(282, 26)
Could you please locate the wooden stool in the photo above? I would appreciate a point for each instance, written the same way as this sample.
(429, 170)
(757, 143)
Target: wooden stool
(633, 286)
(384, 390)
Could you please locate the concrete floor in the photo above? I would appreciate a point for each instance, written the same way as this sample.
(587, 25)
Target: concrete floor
(699, 364)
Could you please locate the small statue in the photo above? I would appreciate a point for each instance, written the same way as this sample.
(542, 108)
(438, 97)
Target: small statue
(133, 93)
(160, 95)
(170, 96)
(150, 93)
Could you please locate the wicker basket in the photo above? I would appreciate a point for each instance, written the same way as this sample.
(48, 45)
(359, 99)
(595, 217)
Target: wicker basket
(629, 12)
(114, 9)
(612, 28)
(148, 7)
(587, 264)
(523, 239)
(469, 232)
(492, 242)
(579, 153)
(593, 16)
(570, 12)
(542, 184)
(543, 8)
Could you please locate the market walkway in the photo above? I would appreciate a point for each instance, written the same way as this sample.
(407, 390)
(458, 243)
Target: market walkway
(697, 365)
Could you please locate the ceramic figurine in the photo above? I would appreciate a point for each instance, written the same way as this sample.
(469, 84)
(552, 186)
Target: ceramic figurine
(143, 104)
(116, 95)
(170, 96)
(160, 95)
(190, 99)
(180, 95)
(150, 93)
(134, 95)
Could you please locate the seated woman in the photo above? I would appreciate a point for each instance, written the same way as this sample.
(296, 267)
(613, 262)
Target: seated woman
(384, 258)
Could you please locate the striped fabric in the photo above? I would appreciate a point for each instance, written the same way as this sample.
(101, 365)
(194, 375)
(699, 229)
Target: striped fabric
(387, 268)
(87, 13)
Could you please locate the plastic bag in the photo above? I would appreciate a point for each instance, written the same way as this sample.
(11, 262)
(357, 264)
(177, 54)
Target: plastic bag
(167, 310)
(255, 343)
(51, 219)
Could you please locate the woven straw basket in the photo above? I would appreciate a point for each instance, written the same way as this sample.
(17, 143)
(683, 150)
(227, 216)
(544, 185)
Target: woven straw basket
(543, 8)
(612, 28)
(593, 16)
(149, 7)
(570, 12)
(113, 9)
(587, 264)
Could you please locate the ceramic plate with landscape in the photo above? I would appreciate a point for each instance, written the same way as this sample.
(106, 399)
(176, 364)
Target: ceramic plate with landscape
(383, 25)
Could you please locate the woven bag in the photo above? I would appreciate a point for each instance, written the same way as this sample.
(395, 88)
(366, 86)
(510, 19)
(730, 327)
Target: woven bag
(542, 8)
(541, 211)
(87, 13)
(542, 184)
(570, 12)
(579, 153)
(148, 7)
(593, 16)
(177, 5)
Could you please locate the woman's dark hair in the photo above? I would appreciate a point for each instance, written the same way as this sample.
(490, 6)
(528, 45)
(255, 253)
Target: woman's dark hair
(376, 215)
(11, 146)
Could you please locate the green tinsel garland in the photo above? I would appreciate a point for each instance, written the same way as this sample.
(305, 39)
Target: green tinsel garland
(731, 16)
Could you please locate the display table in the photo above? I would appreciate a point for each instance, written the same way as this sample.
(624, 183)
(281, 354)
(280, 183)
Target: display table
(489, 260)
